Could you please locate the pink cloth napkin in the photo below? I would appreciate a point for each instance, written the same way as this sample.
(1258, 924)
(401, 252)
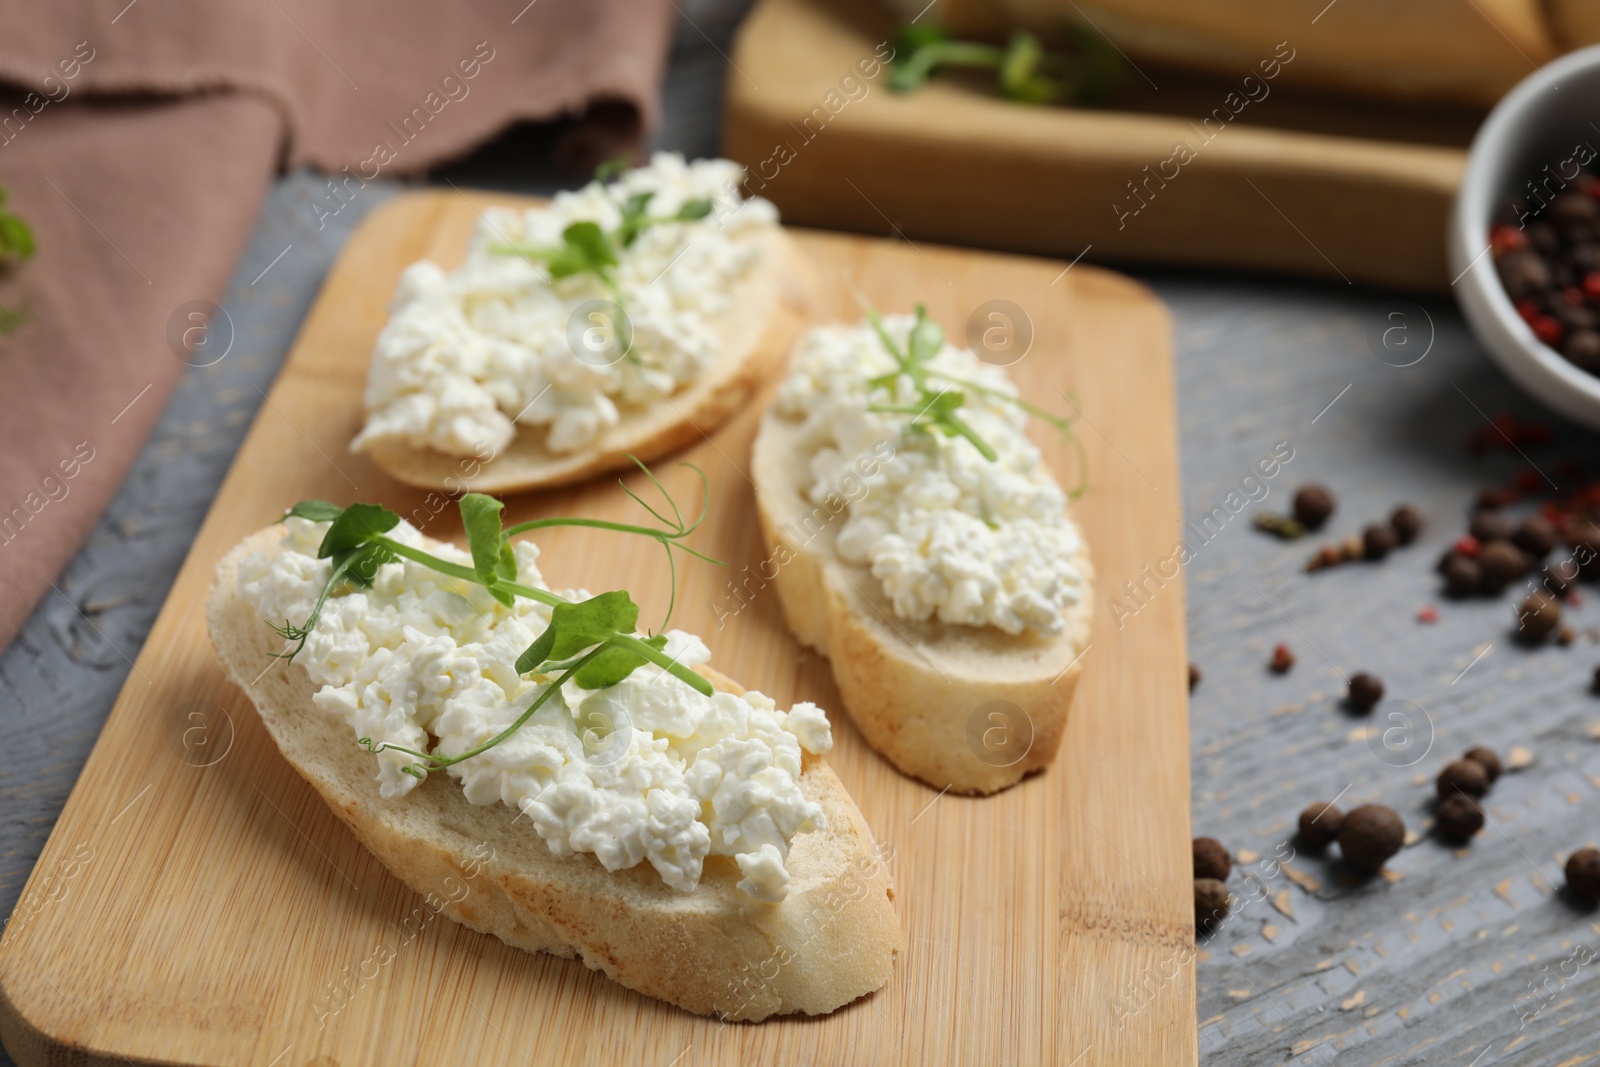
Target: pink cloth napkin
(138, 140)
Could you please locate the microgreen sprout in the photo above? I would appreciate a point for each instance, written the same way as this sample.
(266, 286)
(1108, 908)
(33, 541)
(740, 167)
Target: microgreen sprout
(592, 642)
(16, 245)
(587, 248)
(935, 406)
(1086, 71)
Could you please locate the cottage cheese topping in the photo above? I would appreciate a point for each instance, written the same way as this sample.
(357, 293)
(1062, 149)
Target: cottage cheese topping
(648, 769)
(951, 535)
(468, 356)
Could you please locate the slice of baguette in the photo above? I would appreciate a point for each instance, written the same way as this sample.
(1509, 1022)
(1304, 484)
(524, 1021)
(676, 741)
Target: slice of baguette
(768, 309)
(713, 951)
(968, 708)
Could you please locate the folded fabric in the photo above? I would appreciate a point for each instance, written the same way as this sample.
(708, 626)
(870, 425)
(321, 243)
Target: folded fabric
(138, 141)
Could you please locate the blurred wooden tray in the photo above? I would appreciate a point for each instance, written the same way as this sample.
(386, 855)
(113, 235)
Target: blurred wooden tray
(197, 903)
(1297, 183)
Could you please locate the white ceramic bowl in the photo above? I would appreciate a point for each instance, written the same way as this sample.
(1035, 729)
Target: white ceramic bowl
(1541, 121)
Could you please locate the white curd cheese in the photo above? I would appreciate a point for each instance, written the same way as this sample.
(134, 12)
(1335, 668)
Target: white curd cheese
(648, 769)
(468, 356)
(952, 536)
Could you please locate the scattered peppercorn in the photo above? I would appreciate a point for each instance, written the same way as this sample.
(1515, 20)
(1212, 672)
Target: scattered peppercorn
(1462, 576)
(1491, 525)
(1584, 537)
(1537, 536)
(1326, 556)
(1211, 860)
(1282, 659)
(1312, 505)
(1319, 824)
(1211, 904)
(1194, 677)
(1595, 683)
(1365, 691)
(1463, 776)
(1406, 522)
(1377, 541)
(1369, 835)
(1486, 758)
(1583, 873)
(1501, 563)
(1546, 268)
(1556, 584)
(1539, 615)
(1457, 818)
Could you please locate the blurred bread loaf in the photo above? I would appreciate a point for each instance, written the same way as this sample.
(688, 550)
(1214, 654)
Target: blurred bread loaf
(1444, 51)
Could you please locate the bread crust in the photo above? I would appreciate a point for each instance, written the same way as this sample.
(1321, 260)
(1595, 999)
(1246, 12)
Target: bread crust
(768, 310)
(713, 951)
(965, 708)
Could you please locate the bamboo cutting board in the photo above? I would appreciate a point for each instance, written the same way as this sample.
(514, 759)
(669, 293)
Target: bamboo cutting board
(197, 904)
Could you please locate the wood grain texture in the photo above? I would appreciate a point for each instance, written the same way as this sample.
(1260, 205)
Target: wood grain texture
(215, 911)
(218, 913)
(1293, 184)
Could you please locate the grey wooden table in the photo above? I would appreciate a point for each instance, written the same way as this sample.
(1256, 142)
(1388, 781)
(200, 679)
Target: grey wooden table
(1470, 958)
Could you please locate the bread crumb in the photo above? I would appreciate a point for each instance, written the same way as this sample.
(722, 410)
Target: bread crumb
(1519, 758)
(1351, 1003)
(1300, 878)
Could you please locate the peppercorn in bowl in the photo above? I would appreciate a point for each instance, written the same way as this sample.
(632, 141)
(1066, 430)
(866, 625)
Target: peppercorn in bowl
(1524, 239)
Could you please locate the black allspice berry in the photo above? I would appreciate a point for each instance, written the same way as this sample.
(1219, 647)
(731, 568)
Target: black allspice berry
(1319, 824)
(1486, 758)
(1369, 835)
(1583, 873)
(1210, 904)
(1457, 818)
(1491, 524)
(1194, 677)
(1211, 860)
(1500, 563)
(1378, 540)
(1585, 541)
(1538, 617)
(1462, 576)
(1312, 506)
(1537, 536)
(1406, 521)
(1463, 776)
(1365, 691)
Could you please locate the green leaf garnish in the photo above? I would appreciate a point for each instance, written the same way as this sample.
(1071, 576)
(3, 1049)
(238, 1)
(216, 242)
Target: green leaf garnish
(575, 627)
(1085, 71)
(315, 510)
(355, 526)
(586, 248)
(16, 245)
(936, 407)
(492, 558)
(16, 236)
(615, 663)
(599, 631)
